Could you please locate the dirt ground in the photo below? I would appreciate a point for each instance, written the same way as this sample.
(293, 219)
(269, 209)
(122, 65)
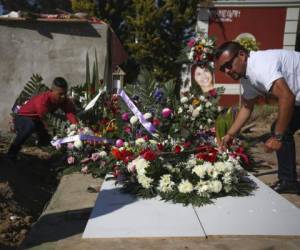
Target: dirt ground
(26, 187)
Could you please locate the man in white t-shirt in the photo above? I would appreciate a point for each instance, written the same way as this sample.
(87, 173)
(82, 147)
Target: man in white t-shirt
(274, 73)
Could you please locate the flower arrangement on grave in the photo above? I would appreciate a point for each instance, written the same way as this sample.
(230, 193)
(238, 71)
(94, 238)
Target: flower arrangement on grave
(200, 49)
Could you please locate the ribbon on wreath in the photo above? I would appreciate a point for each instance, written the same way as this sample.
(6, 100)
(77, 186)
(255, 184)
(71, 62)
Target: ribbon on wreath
(146, 124)
(81, 137)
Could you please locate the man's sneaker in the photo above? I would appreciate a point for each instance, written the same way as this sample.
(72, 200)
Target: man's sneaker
(286, 187)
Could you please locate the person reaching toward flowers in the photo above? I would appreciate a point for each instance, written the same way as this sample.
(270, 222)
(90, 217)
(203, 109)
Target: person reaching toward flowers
(272, 73)
(29, 118)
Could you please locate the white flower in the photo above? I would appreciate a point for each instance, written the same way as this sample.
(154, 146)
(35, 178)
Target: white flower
(209, 121)
(202, 98)
(140, 141)
(141, 165)
(147, 116)
(185, 187)
(102, 154)
(220, 166)
(208, 104)
(180, 110)
(133, 120)
(196, 112)
(144, 181)
(199, 170)
(71, 133)
(227, 178)
(78, 144)
(165, 183)
(73, 127)
(191, 162)
(87, 131)
(216, 186)
(203, 188)
(153, 142)
(184, 99)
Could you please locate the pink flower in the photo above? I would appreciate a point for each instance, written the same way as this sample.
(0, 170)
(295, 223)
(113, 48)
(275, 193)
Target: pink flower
(71, 160)
(70, 145)
(95, 157)
(58, 146)
(85, 169)
(119, 143)
(125, 116)
(191, 43)
(166, 112)
(127, 130)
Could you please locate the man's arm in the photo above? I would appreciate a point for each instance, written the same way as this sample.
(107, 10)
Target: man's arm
(286, 102)
(242, 117)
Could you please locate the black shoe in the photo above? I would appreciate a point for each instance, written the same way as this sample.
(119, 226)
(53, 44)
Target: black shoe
(286, 187)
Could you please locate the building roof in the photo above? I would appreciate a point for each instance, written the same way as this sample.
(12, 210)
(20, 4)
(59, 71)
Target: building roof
(256, 3)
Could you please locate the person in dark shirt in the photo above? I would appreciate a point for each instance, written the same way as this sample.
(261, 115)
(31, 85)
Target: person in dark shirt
(29, 118)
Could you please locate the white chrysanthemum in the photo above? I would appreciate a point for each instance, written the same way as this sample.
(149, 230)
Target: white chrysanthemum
(147, 116)
(140, 141)
(209, 121)
(180, 110)
(185, 187)
(216, 186)
(141, 165)
(133, 120)
(144, 181)
(102, 154)
(165, 183)
(220, 166)
(184, 99)
(199, 170)
(191, 54)
(191, 162)
(203, 188)
(227, 178)
(78, 144)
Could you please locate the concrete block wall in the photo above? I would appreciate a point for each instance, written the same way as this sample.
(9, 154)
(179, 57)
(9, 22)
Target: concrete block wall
(48, 48)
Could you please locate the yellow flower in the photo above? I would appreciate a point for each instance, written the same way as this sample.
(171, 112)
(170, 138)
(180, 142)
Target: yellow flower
(195, 102)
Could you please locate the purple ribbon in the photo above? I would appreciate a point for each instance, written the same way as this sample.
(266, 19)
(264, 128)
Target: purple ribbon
(82, 138)
(146, 124)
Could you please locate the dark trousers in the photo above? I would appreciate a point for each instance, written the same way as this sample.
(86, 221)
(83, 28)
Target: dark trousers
(25, 127)
(286, 156)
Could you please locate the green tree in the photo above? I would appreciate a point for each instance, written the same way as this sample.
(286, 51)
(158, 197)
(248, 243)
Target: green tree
(156, 33)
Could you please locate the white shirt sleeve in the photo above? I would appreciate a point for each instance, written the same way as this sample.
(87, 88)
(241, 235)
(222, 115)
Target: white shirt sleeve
(249, 92)
(270, 71)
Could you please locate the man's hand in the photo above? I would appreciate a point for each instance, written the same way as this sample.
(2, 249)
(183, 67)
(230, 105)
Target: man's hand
(272, 144)
(226, 141)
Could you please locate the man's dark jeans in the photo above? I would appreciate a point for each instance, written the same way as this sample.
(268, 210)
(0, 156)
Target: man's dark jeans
(25, 127)
(286, 156)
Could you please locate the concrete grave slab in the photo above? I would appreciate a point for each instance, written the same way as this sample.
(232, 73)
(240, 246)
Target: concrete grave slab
(263, 213)
(118, 215)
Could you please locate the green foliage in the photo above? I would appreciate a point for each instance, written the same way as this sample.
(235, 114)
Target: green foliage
(33, 87)
(223, 123)
(86, 6)
(249, 44)
(156, 34)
